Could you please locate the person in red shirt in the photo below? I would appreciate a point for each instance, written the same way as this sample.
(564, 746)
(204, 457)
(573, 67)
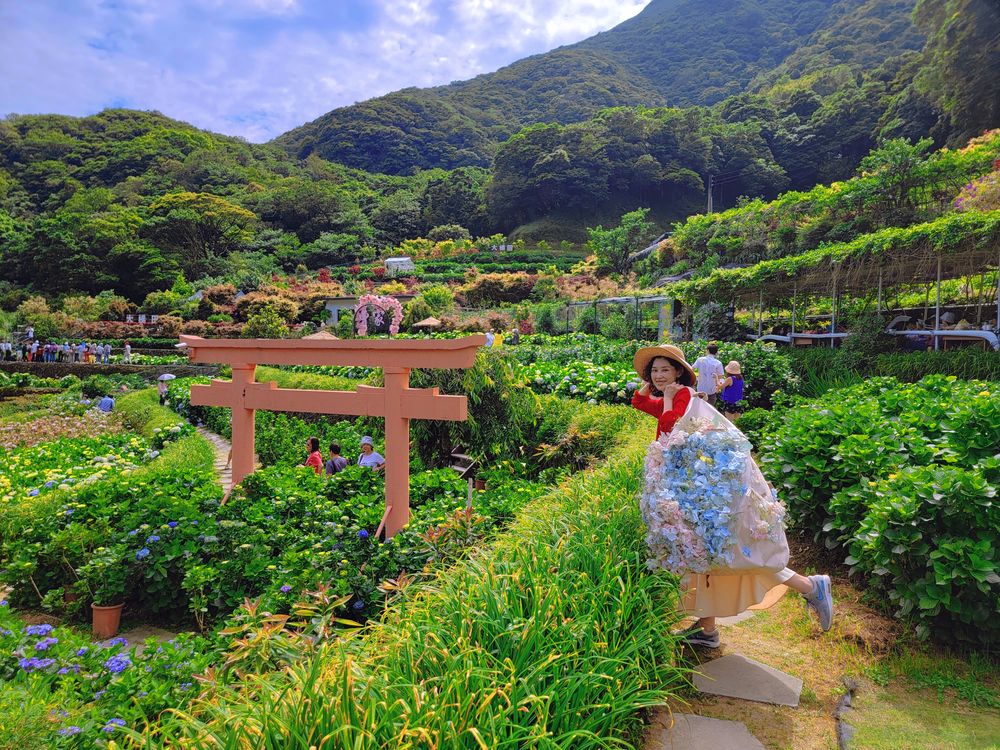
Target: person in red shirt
(666, 394)
(315, 459)
(663, 393)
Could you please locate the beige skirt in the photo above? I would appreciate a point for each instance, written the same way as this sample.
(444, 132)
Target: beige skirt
(725, 595)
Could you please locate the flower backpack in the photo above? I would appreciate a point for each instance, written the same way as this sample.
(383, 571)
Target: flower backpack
(706, 504)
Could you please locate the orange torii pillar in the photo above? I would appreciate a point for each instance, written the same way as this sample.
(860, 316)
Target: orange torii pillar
(396, 401)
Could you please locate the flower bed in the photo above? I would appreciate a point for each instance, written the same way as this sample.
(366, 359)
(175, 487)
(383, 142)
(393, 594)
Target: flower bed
(903, 478)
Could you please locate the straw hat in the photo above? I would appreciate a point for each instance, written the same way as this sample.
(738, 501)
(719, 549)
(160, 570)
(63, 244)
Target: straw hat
(733, 368)
(648, 353)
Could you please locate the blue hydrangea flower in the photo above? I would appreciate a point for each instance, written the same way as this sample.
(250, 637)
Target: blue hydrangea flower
(358, 605)
(153, 538)
(82, 651)
(119, 641)
(142, 554)
(172, 524)
(43, 644)
(43, 629)
(32, 493)
(363, 534)
(51, 483)
(285, 589)
(113, 724)
(118, 663)
(70, 730)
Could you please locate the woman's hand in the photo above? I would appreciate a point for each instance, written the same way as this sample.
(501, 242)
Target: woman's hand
(671, 390)
(644, 391)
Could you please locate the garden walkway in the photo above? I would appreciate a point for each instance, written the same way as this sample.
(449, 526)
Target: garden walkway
(222, 447)
(734, 676)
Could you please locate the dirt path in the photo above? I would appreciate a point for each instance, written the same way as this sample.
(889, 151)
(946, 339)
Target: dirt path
(875, 652)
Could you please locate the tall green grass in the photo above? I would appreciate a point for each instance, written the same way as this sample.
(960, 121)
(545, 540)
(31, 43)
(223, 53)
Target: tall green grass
(555, 636)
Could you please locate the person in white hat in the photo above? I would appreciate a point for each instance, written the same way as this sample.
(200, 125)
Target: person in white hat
(369, 456)
(751, 566)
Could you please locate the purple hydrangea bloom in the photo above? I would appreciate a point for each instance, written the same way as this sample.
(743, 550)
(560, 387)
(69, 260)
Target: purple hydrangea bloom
(32, 664)
(172, 524)
(43, 644)
(33, 492)
(74, 668)
(358, 605)
(363, 534)
(3, 603)
(113, 724)
(119, 641)
(118, 663)
(143, 553)
(43, 629)
(153, 538)
(82, 651)
(70, 730)
(133, 532)
(51, 483)
(285, 589)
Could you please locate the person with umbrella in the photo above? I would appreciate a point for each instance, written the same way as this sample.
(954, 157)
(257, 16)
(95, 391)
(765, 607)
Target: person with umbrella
(161, 386)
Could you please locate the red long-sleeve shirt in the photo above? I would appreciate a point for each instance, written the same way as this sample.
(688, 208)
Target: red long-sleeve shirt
(315, 460)
(654, 405)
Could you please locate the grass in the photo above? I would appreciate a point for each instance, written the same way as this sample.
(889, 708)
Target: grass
(896, 716)
(305, 380)
(21, 407)
(554, 636)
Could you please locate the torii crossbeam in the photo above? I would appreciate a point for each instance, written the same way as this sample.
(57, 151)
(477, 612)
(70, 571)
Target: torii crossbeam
(396, 401)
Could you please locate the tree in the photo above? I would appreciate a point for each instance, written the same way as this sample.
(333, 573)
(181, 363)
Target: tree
(614, 246)
(198, 229)
(266, 323)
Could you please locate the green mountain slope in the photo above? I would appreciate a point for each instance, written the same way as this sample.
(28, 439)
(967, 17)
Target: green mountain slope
(677, 52)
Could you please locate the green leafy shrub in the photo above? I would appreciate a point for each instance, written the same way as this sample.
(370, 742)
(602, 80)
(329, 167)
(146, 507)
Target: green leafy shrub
(929, 540)
(904, 477)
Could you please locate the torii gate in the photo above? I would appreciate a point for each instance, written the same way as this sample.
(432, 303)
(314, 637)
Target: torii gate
(396, 402)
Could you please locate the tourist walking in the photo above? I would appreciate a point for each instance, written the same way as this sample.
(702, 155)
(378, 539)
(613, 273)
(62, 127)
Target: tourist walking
(731, 391)
(161, 387)
(337, 462)
(315, 458)
(710, 372)
(127, 358)
(711, 517)
(369, 457)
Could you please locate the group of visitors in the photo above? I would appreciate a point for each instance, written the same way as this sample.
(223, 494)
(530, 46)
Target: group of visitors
(720, 385)
(369, 457)
(34, 350)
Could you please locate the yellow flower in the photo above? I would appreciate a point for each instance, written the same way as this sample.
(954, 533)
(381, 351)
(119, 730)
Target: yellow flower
(984, 393)
(893, 476)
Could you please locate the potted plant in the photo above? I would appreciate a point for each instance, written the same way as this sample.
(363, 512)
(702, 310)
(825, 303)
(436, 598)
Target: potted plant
(106, 575)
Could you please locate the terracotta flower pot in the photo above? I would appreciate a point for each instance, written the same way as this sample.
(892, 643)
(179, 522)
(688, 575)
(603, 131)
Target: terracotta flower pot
(480, 484)
(106, 620)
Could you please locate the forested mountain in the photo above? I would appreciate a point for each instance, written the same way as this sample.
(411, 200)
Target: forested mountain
(676, 52)
(126, 200)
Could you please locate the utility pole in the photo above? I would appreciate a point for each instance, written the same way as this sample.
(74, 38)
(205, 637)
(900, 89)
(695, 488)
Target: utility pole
(710, 191)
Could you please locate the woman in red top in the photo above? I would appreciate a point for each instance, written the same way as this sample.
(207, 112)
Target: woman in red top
(663, 394)
(315, 459)
(666, 395)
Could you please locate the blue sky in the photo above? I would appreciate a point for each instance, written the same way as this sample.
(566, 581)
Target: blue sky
(257, 68)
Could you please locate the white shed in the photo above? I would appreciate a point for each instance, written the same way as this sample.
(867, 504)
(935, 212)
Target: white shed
(396, 266)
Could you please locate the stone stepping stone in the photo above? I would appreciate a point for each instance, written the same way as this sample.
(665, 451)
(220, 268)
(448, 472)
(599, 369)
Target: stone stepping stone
(736, 676)
(137, 636)
(690, 732)
(745, 615)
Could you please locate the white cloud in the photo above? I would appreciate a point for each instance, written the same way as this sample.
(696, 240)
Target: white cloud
(257, 68)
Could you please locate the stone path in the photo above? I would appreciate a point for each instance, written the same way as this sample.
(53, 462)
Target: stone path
(222, 447)
(137, 636)
(732, 675)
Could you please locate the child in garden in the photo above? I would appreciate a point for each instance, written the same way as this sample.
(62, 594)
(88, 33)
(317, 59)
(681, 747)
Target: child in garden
(711, 517)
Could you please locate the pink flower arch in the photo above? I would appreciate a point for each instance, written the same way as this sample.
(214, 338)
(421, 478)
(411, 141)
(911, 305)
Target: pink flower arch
(375, 307)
